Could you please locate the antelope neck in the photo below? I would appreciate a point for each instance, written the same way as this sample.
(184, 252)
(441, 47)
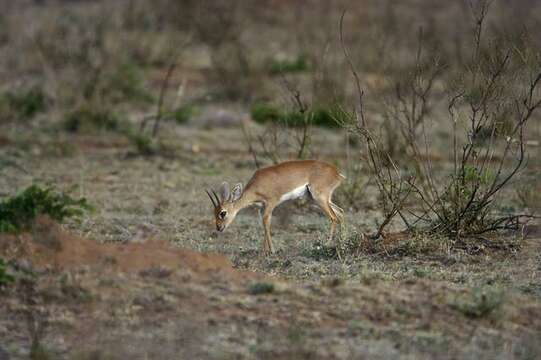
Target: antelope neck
(243, 202)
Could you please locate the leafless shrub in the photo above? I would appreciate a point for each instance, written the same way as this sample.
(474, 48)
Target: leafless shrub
(499, 84)
(390, 181)
(280, 140)
(316, 39)
(411, 103)
(83, 59)
(70, 44)
(161, 112)
(352, 191)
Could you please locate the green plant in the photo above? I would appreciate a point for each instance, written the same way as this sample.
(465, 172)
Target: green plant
(263, 113)
(259, 288)
(89, 119)
(296, 119)
(299, 64)
(40, 352)
(23, 104)
(144, 144)
(480, 303)
(184, 113)
(320, 251)
(125, 83)
(325, 117)
(18, 212)
(5, 277)
(421, 272)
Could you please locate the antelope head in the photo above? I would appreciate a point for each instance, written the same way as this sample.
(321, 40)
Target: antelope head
(225, 207)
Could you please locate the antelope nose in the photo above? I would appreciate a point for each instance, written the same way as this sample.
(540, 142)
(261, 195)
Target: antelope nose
(220, 228)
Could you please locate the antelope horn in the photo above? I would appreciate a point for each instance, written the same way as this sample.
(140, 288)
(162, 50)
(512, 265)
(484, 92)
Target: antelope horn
(211, 199)
(217, 197)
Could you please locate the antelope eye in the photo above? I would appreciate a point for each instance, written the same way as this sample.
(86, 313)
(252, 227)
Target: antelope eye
(222, 214)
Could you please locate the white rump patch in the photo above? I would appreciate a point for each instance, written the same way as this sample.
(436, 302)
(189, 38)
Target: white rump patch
(295, 193)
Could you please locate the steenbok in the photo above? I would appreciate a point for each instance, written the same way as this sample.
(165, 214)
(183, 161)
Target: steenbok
(272, 186)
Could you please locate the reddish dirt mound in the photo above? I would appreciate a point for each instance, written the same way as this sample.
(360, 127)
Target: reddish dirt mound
(48, 246)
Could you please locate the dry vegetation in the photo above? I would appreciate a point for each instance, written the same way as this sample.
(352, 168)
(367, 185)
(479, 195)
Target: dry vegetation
(121, 113)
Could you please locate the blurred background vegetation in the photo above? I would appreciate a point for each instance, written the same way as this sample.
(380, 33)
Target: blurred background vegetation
(102, 62)
(275, 70)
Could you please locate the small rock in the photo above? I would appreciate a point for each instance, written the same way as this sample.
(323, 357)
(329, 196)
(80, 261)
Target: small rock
(24, 265)
(218, 118)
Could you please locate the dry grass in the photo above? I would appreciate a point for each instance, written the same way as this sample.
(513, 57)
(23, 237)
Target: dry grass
(370, 301)
(400, 297)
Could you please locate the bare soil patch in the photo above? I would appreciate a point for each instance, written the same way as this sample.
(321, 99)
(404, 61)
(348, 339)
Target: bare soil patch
(110, 300)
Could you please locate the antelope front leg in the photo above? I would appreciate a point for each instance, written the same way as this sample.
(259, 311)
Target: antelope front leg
(267, 242)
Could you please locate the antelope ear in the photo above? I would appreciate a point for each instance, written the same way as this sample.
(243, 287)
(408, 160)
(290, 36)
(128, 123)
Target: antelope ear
(236, 192)
(224, 191)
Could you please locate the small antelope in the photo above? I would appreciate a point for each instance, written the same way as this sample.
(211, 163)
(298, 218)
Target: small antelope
(272, 186)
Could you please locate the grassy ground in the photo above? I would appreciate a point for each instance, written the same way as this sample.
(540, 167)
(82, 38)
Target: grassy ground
(74, 87)
(398, 302)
